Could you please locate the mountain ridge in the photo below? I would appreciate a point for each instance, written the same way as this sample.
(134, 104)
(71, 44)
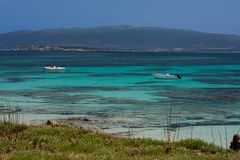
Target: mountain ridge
(122, 37)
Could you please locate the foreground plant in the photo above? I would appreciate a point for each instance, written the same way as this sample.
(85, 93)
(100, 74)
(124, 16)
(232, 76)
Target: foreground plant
(46, 142)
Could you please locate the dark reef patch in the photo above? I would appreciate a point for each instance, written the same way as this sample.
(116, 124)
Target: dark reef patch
(195, 118)
(117, 74)
(233, 116)
(201, 95)
(13, 74)
(219, 81)
(146, 82)
(73, 89)
(20, 79)
(157, 69)
(205, 123)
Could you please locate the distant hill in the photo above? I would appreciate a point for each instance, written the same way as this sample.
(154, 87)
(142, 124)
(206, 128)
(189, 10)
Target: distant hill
(123, 37)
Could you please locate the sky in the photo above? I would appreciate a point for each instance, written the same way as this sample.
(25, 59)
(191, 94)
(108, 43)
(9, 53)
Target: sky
(216, 16)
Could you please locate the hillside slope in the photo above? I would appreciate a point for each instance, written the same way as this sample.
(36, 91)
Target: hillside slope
(122, 37)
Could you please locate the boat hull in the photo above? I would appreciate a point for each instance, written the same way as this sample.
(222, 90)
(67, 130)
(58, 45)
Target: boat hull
(54, 69)
(164, 76)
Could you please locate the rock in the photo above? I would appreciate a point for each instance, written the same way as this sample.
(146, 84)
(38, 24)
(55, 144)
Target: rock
(235, 144)
(53, 123)
(79, 119)
(90, 128)
(85, 119)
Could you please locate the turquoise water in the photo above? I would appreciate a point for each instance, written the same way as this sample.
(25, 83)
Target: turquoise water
(115, 89)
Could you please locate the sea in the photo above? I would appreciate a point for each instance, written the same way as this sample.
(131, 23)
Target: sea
(117, 93)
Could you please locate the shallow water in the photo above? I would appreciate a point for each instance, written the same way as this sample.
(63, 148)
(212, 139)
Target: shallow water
(118, 89)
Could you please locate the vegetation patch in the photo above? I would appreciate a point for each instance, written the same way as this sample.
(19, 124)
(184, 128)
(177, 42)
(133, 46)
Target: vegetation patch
(56, 143)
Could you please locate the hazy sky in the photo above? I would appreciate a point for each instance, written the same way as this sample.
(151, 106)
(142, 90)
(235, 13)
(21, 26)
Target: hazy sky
(221, 16)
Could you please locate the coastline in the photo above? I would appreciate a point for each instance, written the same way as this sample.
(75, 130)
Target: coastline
(215, 134)
(64, 142)
(127, 50)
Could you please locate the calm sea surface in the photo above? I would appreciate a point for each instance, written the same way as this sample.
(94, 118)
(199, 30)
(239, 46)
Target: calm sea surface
(118, 89)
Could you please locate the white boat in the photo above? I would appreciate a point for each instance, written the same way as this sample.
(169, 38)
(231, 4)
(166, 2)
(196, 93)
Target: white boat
(54, 68)
(166, 76)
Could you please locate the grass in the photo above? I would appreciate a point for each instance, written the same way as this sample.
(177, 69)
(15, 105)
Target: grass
(22, 142)
(63, 143)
